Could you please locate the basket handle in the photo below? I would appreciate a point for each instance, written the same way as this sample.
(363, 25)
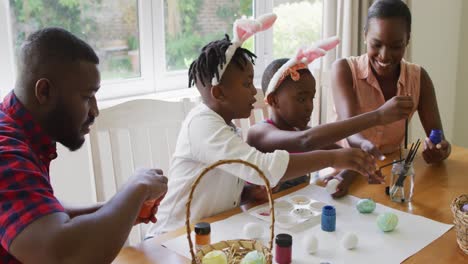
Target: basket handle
(197, 181)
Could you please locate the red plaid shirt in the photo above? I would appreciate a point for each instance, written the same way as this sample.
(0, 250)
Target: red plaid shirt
(25, 190)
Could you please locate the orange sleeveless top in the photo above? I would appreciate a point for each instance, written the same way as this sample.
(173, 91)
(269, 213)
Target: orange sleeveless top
(370, 97)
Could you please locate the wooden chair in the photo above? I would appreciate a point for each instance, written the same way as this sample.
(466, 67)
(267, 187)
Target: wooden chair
(138, 133)
(259, 113)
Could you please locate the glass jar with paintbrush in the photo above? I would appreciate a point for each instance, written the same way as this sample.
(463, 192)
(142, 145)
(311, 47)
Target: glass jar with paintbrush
(402, 180)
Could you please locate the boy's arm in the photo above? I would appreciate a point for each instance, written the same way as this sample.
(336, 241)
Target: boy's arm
(217, 141)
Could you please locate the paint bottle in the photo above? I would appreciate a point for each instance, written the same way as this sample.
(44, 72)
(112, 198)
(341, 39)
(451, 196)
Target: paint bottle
(283, 250)
(328, 218)
(145, 211)
(202, 234)
(436, 136)
(146, 208)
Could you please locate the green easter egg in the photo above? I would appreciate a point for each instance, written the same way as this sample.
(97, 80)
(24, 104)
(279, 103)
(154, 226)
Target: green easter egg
(387, 221)
(215, 257)
(254, 257)
(365, 206)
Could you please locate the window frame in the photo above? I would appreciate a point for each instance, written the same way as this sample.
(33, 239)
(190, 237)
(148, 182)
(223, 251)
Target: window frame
(153, 76)
(7, 65)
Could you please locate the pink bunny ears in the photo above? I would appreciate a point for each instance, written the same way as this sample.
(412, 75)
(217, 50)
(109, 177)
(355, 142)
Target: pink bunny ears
(303, 58)
(243, 29)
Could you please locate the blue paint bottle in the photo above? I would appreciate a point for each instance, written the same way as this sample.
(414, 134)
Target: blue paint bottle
(328, 218)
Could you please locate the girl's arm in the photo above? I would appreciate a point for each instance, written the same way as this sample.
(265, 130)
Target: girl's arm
(268, 138)
(430, 118)
(345, 100)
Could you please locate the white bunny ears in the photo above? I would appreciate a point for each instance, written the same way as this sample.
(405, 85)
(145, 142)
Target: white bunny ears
(303, 58)
(242, 30)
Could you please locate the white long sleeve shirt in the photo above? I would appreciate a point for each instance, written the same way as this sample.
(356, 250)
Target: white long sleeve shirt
(205, 138)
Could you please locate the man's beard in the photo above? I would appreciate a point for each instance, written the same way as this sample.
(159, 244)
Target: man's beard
(59, 124)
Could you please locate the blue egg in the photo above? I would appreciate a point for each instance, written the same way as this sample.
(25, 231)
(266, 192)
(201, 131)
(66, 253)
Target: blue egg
(254, 257)
(365, 206)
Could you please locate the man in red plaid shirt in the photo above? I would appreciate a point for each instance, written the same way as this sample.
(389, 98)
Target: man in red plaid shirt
(54, 101)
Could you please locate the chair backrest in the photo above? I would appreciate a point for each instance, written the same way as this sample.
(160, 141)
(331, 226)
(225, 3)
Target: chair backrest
(259, 113)
(138, 133)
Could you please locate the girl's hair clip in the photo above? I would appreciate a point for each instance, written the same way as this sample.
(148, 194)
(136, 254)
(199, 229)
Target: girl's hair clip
(304, 56)
(243, 29)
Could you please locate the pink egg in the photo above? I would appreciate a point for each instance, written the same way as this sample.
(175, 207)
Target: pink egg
(465, 208)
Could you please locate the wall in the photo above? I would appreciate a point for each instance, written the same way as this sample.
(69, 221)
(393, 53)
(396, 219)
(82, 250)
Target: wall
(460, 135)
(435, 45)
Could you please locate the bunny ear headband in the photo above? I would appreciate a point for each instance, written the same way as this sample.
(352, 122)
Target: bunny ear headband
(242, 30)
(304, 56)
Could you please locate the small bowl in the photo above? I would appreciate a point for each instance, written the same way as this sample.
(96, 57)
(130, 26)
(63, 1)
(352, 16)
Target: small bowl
(317, 206)
(283, 206)
(300, 200)
(285, 220)
(304, 213)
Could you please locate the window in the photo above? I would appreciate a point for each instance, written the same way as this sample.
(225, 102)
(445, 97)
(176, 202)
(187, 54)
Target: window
(293, 31)
(189, 25)
(146, 46)
(109, 26)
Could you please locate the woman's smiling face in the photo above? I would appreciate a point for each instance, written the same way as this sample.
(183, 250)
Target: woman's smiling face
(386, 39)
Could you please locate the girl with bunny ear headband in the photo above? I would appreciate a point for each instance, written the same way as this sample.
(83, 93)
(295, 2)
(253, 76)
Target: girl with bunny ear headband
(303, 58)
(289, 89)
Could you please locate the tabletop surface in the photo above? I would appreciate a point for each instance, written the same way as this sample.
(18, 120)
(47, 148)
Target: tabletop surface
(435, 188)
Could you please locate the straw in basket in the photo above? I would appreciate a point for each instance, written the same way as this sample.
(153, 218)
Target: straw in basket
(234, 249)
(461, 221)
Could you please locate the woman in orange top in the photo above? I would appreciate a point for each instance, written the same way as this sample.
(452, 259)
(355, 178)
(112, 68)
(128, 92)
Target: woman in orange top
(362, 84)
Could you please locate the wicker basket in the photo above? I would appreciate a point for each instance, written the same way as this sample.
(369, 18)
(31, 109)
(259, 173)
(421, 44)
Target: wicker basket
(234, 249)
(461, 221)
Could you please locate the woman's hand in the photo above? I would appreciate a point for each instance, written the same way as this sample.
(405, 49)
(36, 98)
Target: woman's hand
(436, 153)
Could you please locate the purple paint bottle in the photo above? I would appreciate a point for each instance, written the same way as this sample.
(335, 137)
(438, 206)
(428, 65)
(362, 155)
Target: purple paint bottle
(436, 136)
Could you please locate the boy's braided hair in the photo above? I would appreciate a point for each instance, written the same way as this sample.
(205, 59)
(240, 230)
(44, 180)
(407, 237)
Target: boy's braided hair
(205, 67)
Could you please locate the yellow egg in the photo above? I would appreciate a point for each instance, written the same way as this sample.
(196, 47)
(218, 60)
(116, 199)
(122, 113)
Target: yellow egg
(215, 257)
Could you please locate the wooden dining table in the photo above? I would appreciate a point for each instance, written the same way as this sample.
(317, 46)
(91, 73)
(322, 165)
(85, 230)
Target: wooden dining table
(435, 188)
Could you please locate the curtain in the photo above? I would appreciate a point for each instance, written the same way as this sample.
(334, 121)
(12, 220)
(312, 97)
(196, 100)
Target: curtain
(345, 19)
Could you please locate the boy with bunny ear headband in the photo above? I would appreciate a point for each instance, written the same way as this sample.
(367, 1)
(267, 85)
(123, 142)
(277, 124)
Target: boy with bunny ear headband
(289, 89)
(223, 74)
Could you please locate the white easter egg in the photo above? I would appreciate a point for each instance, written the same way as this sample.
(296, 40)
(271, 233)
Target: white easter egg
(253, 230)
(311, 244)
(350, 240)
(332, 186)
